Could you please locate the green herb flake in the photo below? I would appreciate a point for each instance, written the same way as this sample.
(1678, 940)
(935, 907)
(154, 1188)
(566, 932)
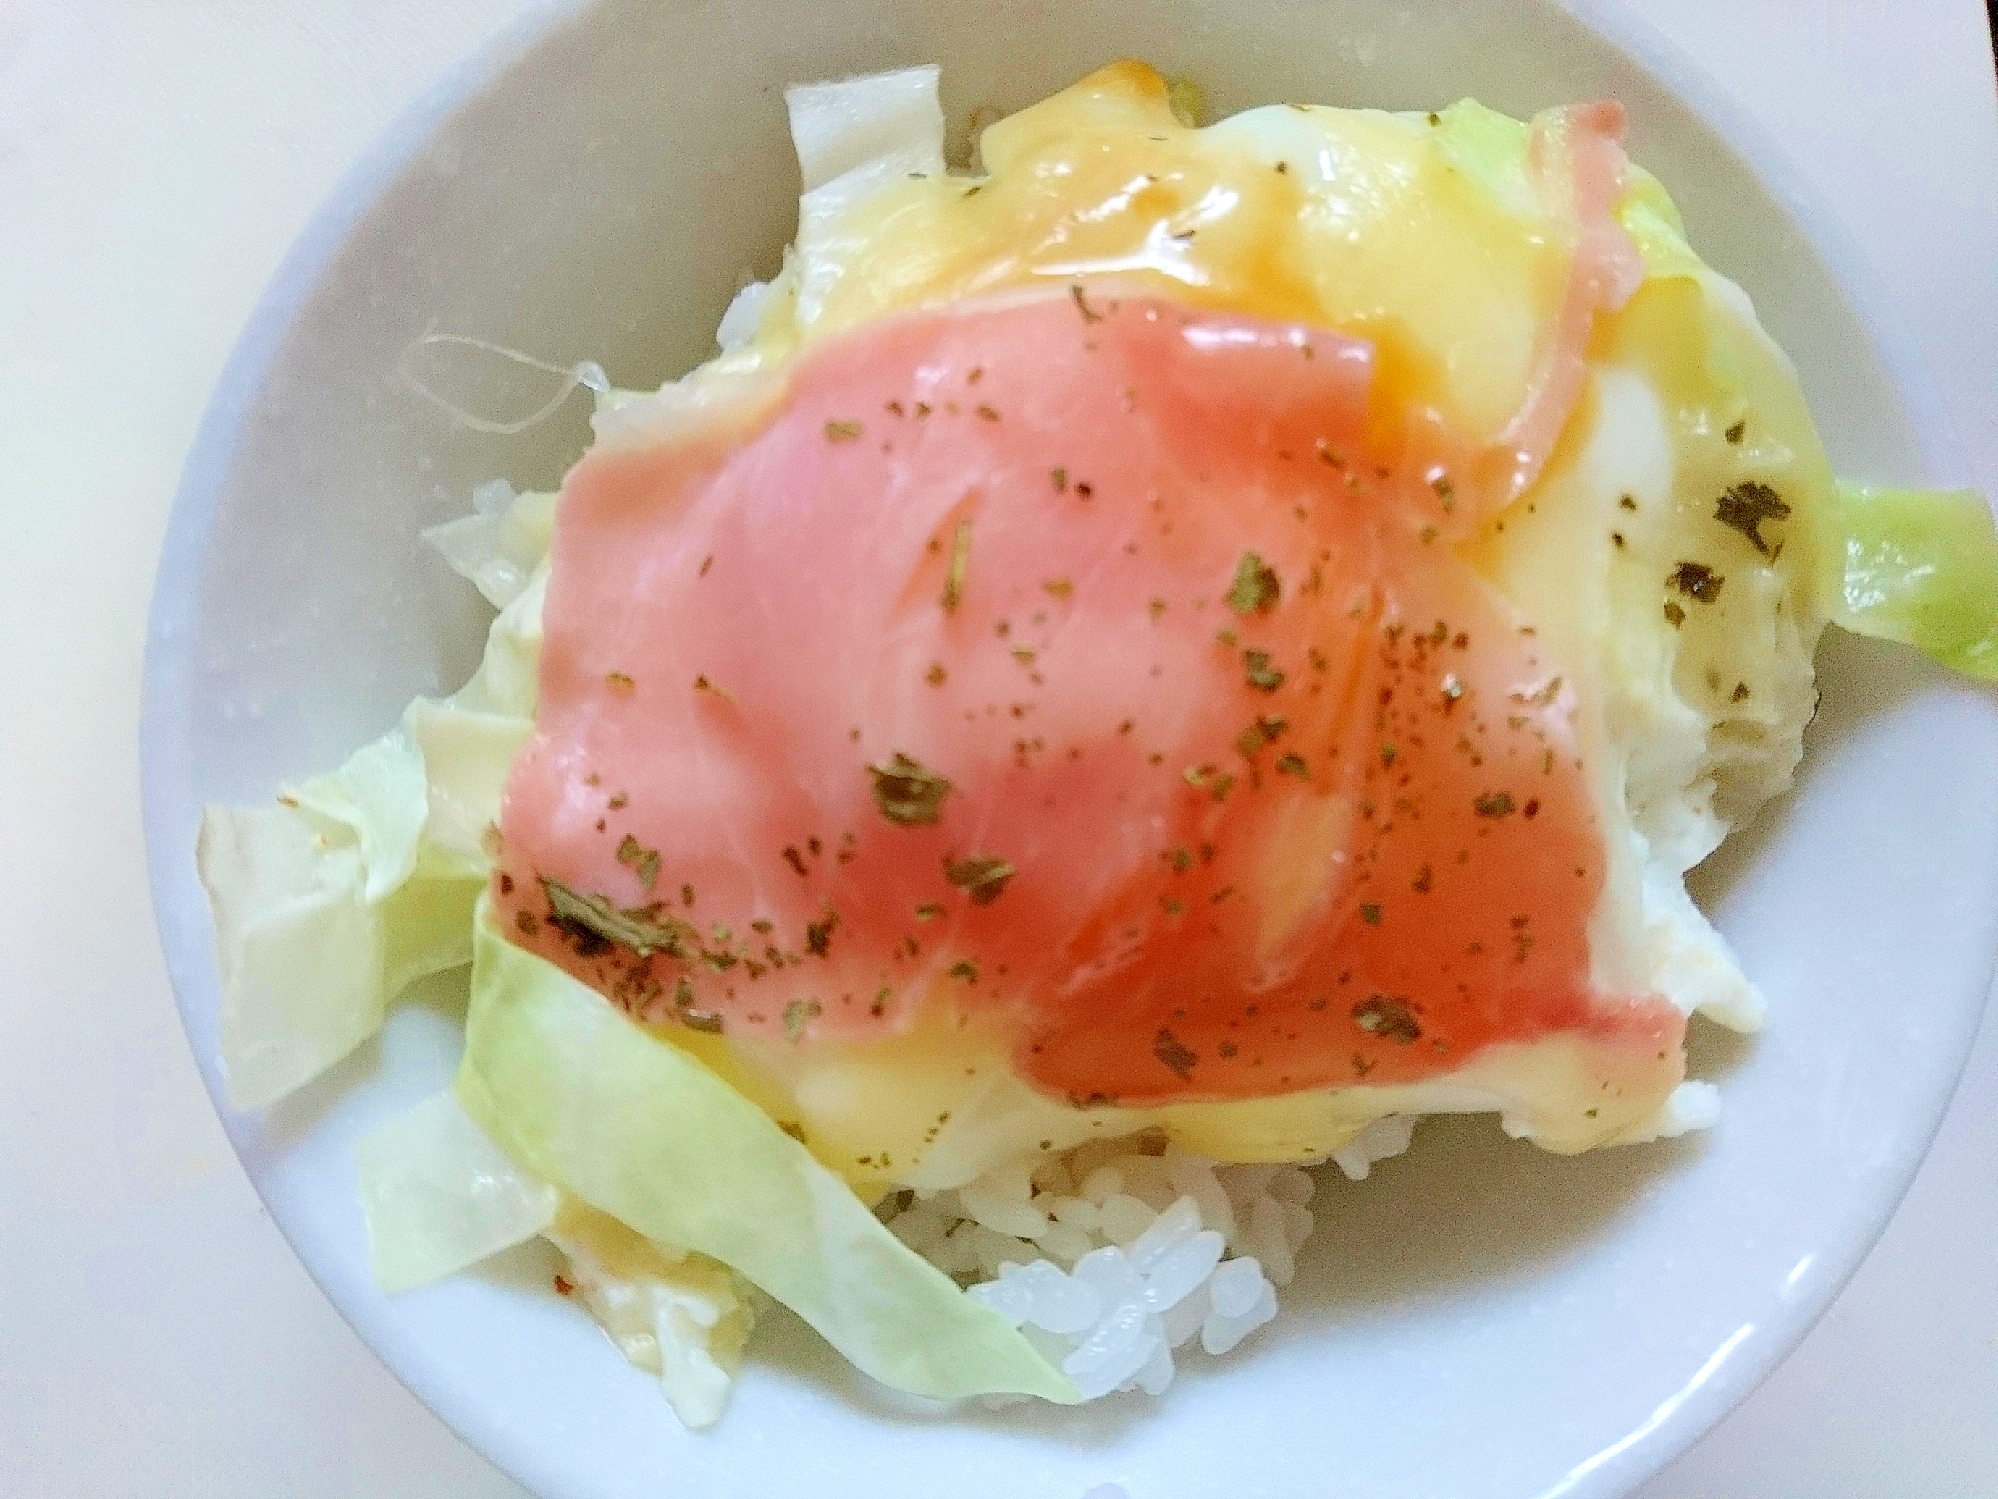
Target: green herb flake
(1735, 433)
(1260, 673)
(619, 681)
(1445, 491)
(1267, 729)
(929, 911)
(1089, 314)
(1696, 581)
(1387, 1017)
(1293, 765)
(1058, 588)
(818, 934)
(960, 565)
(1173, 1054)
(964, 969)
(1493, 804)
(798, 1014)
(981, 877)
(593, 919)
(843, 431)
(1370, 913)
(1060, 477)
(1256, 587)
(1745, 507)
(640, 860)
(908, 793)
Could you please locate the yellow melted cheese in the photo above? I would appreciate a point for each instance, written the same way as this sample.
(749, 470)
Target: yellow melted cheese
(1421, 233)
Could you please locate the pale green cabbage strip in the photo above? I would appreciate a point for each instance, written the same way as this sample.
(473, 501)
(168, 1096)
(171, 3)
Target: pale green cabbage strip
(1921, 568)
(359, 883)
(439, 1196)
(582, 1097)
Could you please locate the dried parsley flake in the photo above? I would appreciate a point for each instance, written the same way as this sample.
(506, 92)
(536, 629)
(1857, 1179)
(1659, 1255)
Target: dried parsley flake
(1260, 673)
(642, 861)
(641, 929)
(1256, 588)
(960, 565)
(908, 792)
(797, 1015)
(1390, 1018)
(1745, 507)
(1697, 581)
(981, 877)
(1173, 1054)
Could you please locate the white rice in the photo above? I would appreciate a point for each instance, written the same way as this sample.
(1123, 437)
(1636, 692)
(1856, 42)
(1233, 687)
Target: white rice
(1112, 1256)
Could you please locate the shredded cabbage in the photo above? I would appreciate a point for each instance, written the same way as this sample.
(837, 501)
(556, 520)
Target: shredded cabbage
(581, 1096)
(438, 1196)
(1921, 568)
(359, 883)
(500, 544)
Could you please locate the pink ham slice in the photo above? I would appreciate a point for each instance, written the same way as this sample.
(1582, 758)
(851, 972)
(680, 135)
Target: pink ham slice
(1575, 157)
(1081, 661)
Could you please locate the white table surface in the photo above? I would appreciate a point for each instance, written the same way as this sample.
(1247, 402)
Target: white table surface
(157, 1338)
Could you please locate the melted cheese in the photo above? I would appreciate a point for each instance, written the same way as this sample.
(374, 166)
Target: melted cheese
(1477, 266)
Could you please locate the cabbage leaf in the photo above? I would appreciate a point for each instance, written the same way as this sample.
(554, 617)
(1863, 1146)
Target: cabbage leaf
(1921, 568)
(438, 1196)
(582, 1097)
(360, 882)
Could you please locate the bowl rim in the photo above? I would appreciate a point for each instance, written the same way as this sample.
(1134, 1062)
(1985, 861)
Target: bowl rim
(1729, 1375)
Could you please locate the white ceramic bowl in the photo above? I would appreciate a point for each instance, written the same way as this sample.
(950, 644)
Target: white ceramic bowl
(1479, 1320)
